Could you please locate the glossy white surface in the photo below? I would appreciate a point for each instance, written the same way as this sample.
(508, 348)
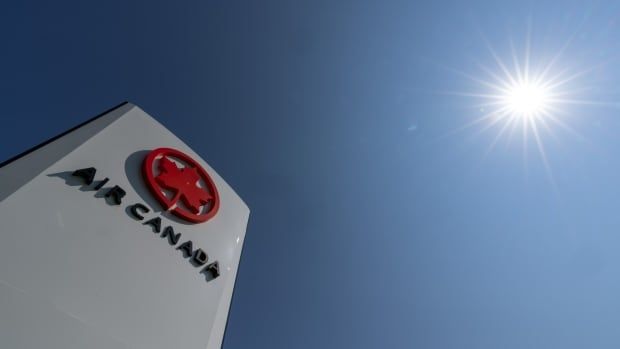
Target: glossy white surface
(98, 274)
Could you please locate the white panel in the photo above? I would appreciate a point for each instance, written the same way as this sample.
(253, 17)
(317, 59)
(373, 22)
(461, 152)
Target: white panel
(27, 322)
(66, 245)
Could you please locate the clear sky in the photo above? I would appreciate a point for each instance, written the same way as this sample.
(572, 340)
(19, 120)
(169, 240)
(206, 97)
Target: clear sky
(378, 220)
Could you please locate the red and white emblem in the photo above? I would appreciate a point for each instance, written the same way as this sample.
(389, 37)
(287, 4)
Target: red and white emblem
(181, 185)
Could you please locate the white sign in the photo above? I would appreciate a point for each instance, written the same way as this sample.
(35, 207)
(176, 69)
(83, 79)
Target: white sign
(116, 235)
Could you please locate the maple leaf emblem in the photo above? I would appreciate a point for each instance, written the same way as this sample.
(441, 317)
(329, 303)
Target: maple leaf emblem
(184, 183)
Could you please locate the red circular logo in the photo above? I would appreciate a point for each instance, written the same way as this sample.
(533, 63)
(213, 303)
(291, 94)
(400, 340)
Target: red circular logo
(181, 185)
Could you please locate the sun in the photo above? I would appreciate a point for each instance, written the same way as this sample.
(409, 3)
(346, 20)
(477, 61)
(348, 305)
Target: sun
(520, 96)
(523, 96)
(528, 99)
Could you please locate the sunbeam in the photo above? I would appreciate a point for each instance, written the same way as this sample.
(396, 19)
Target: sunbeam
(519, 96)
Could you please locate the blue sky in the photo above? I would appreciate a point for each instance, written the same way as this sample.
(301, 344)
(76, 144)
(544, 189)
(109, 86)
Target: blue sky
(374, 224)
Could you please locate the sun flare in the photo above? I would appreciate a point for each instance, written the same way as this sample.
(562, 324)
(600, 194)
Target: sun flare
(528, 99)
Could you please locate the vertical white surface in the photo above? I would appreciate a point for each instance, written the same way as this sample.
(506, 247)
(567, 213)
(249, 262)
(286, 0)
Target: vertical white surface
(100, 275)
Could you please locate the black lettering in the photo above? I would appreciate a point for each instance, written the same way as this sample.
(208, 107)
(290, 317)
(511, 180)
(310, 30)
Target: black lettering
(102, 183)
(211, 271)
(116, 193)
(138, 207)
(173, 238)
(87, 174)
(155, 223)
(200, 257)
(187, 248)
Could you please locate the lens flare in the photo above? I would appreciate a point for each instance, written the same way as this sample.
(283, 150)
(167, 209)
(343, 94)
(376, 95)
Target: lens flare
(528, 99)
(517, 96)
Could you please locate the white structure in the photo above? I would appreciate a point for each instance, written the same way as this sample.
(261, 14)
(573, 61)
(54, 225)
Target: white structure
(90, 257)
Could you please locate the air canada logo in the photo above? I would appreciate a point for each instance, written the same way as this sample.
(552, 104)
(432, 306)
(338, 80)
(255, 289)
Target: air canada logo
(181, 185)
